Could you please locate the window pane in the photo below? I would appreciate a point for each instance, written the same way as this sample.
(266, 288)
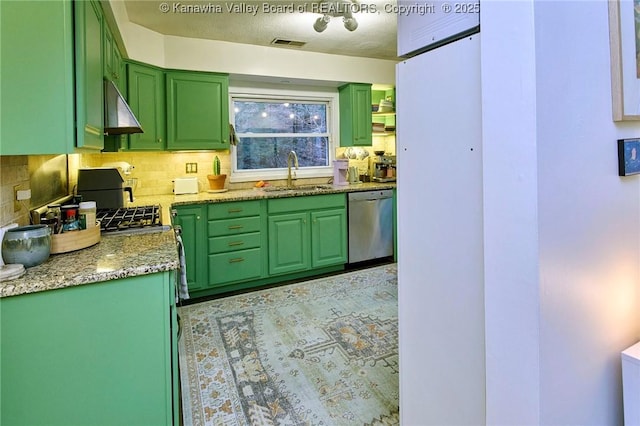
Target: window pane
(271, 153)
(280, 117)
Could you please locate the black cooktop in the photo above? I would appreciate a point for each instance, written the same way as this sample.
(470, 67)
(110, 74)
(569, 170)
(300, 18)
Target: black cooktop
(127, 218)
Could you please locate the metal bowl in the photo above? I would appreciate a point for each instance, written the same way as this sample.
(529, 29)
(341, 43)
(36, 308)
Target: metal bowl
(27, 245)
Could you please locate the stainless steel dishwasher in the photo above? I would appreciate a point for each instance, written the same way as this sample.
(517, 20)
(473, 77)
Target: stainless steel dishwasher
(370, 225)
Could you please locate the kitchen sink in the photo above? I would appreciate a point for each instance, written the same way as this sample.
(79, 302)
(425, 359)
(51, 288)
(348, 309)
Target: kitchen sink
(300, 188)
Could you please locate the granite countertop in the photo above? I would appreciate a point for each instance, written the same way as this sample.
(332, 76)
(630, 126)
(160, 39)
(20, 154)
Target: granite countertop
(114, 257)
(166, 201)
(122, 256)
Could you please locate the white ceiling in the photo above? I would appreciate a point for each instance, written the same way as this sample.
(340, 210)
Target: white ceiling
(375, 36)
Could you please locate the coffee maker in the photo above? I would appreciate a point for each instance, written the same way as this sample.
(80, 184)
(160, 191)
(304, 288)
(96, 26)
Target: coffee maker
(383, 168)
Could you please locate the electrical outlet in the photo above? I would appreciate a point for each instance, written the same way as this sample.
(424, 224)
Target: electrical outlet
(191, 167)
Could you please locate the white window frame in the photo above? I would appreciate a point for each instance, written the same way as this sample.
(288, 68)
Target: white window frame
(330, 95)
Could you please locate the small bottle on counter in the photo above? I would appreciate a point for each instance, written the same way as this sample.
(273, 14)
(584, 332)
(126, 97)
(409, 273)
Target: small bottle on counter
(54, 218)
(70, 213)
(87, 214)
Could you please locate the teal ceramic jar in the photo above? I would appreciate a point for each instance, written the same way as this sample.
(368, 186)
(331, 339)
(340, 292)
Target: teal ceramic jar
(27, 245)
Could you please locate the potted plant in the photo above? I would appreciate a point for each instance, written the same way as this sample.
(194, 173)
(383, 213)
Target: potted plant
(216, 180)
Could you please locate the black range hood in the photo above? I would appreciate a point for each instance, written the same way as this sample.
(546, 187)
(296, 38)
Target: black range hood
(118, 118)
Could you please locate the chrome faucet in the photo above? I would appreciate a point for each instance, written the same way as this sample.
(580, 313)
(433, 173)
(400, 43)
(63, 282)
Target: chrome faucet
(295, 162)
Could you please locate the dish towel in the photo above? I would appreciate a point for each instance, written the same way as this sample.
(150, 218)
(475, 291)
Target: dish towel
(183, 289)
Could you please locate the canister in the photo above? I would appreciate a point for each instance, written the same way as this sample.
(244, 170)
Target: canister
(87, 214)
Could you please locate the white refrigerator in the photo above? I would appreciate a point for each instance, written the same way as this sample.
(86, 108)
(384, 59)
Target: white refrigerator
(440, 238)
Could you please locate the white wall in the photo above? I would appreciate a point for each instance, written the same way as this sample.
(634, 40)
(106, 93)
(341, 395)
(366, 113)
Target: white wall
(236, 58)
(589, 220)
(510, 213)
(147, 46)
(562, 230)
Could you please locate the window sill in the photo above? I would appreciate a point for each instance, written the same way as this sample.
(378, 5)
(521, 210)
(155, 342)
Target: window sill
(248, 176)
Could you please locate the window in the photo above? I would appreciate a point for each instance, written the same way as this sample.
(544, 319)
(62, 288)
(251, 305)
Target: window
(268, 128)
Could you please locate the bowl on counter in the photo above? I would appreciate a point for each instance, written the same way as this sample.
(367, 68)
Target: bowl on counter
(27, 245)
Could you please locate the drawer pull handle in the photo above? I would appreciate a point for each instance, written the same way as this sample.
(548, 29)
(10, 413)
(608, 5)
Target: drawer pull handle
(235, 243)
(236, 227)
(236, 260)
(235, 210)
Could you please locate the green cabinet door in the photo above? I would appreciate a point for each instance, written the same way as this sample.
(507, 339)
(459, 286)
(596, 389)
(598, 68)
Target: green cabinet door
(355, 114)
(197, 111)
(288, 243)
(36, 52)
(193, 221)
(94, 354)
(108, 58)
(89, 75)
(112, 59)
(328, 237)
(146, 97)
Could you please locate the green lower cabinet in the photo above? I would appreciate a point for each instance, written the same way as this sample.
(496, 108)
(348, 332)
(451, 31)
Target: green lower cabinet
(307, 233)
(236, 242)
(193, 222)
(240, 265)
(94, 354)
(258, 242)
(288, 243)
(328, 237)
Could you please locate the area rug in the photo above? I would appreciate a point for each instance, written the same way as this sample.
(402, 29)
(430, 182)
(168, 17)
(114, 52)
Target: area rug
(319, 352)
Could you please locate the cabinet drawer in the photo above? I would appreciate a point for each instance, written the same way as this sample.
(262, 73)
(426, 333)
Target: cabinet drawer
(239, 265)
(218, 228)
(234, 242)
(312, 202)
(234, 209)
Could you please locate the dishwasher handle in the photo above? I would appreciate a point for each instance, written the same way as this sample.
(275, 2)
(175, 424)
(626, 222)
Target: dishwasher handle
(370, 195)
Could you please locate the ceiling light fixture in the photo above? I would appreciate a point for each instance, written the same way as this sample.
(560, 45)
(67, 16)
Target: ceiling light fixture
(321, 23)
(336, 8)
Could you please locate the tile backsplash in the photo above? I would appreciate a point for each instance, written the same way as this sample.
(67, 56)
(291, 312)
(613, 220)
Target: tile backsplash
(14, 170)
(154, 172)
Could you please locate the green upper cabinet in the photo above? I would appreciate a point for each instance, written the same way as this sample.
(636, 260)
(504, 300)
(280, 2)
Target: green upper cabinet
(146, 97)
(112, 59)
(36, 52)
(355, 114)
(89, 75)
(197, 111)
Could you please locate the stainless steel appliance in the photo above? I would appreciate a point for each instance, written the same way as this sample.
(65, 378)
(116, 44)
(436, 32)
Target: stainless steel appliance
(141, 219)
(383, 168)
(370, 225)
(105, 186)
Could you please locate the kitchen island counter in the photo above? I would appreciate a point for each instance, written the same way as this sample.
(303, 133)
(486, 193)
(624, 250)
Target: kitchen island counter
(114, 257)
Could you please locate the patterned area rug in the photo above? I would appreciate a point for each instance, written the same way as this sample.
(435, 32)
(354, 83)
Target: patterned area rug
(320, 352)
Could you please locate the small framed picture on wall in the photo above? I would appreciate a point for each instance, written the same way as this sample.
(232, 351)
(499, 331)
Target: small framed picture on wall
(628, 157)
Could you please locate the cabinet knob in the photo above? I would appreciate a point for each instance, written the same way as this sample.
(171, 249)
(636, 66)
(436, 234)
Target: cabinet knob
(159, 140)
(197, 217)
